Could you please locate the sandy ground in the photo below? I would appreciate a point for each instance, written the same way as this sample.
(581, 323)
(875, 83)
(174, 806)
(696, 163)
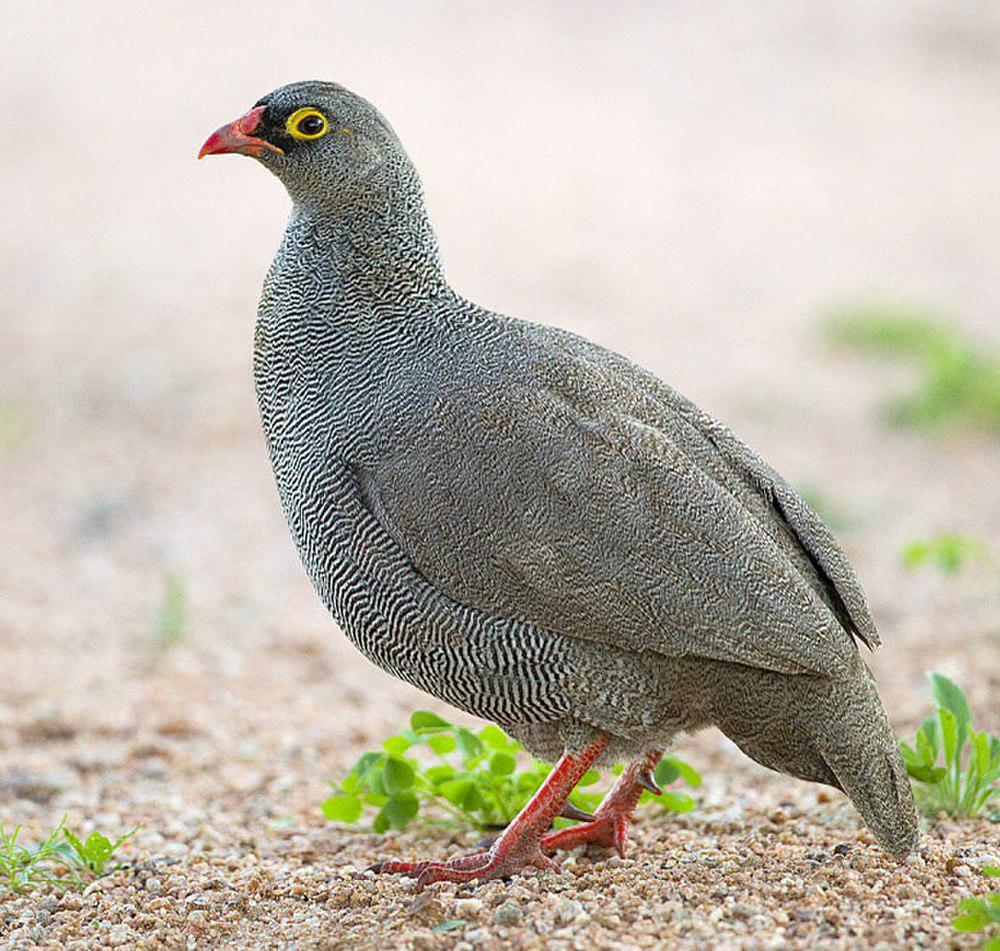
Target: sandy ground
(691, 185)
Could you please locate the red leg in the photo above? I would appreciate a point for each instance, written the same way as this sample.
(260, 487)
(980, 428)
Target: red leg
(609, 827)
(518, 845)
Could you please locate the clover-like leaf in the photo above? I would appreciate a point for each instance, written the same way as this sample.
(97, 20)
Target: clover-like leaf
(469, 745)
(397, 775)
(502, 763)
(423, 721)
(400, 809)
(396, 745)
(343, 808)
(441, 743)
(493, 738)
(676, 801)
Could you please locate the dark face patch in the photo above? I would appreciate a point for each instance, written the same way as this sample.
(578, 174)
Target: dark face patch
(274, 125)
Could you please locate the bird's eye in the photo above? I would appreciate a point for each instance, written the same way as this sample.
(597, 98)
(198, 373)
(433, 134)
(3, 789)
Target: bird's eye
(307, 123)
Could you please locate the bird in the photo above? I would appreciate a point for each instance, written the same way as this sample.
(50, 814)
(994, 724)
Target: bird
(532, 527)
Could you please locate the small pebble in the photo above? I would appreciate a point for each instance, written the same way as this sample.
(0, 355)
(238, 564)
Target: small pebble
(508, 915)
(468, 907)
(568, 911)
(119, 935)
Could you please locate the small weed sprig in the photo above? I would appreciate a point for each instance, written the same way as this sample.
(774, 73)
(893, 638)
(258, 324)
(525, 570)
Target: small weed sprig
(482, 779)
(960, 381)
(965, 784)
(93, 854)
(980, 914)
(946, 552)
(60, 861)
(169, 620)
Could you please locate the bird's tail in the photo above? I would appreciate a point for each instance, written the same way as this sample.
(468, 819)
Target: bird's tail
(830, 730)
(862, 753)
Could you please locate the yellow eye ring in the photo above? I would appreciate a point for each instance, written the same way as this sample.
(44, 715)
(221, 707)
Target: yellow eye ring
(302, 124)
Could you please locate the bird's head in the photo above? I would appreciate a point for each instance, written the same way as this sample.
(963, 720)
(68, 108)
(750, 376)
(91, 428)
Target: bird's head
(323, 142)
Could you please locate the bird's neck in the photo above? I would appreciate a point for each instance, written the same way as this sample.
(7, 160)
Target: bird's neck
(379, 245)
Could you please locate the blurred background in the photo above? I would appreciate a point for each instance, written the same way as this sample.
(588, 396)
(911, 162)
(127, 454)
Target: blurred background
(790, 212)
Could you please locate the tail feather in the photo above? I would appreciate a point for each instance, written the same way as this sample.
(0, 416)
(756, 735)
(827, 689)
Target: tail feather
(872, 774)
(827, 730)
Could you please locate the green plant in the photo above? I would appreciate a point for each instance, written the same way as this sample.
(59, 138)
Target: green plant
(482, 779)
(978, 914)
(23, 868)
(946, 552)
(959, 384)
(94, 852)
(169, 621)
(966, 782)
(60, 861)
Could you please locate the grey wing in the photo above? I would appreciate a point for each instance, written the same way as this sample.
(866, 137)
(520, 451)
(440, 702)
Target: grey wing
(520, 503)
(838, 581)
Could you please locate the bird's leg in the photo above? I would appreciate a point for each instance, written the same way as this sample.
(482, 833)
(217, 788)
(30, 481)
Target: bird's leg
(609, 827)
(517, 847)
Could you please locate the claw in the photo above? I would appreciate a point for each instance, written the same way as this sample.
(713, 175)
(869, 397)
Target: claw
(648, 782)
(570, 811)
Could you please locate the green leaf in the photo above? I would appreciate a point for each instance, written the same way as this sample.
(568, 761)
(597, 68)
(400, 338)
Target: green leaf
(97, 850)
(423, 721)
(688, 773)
(342, 809)
(469, 745)
(949, 734)
(397, 775)
(456, 790)
(949, 696)
(586, 801)
(589, 778)
(502, 764)
(440, 774)
(972, 921)
(981, 752)
(351, 783)
(494, 738)
(915, 553)
(396, 745)
(74, 842)
(474, 798)
(928, 740)
(400, 809)
(666, 772)
(380, 824)
(925, 774)
(527, 782)
(910, 755)
(448, 926)
(441, 743)
(676, 801)
(366, 763)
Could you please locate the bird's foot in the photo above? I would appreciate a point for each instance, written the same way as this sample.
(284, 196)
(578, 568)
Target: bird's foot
(519, 845)
(609, 826)
(610, 831)
(503, 860)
